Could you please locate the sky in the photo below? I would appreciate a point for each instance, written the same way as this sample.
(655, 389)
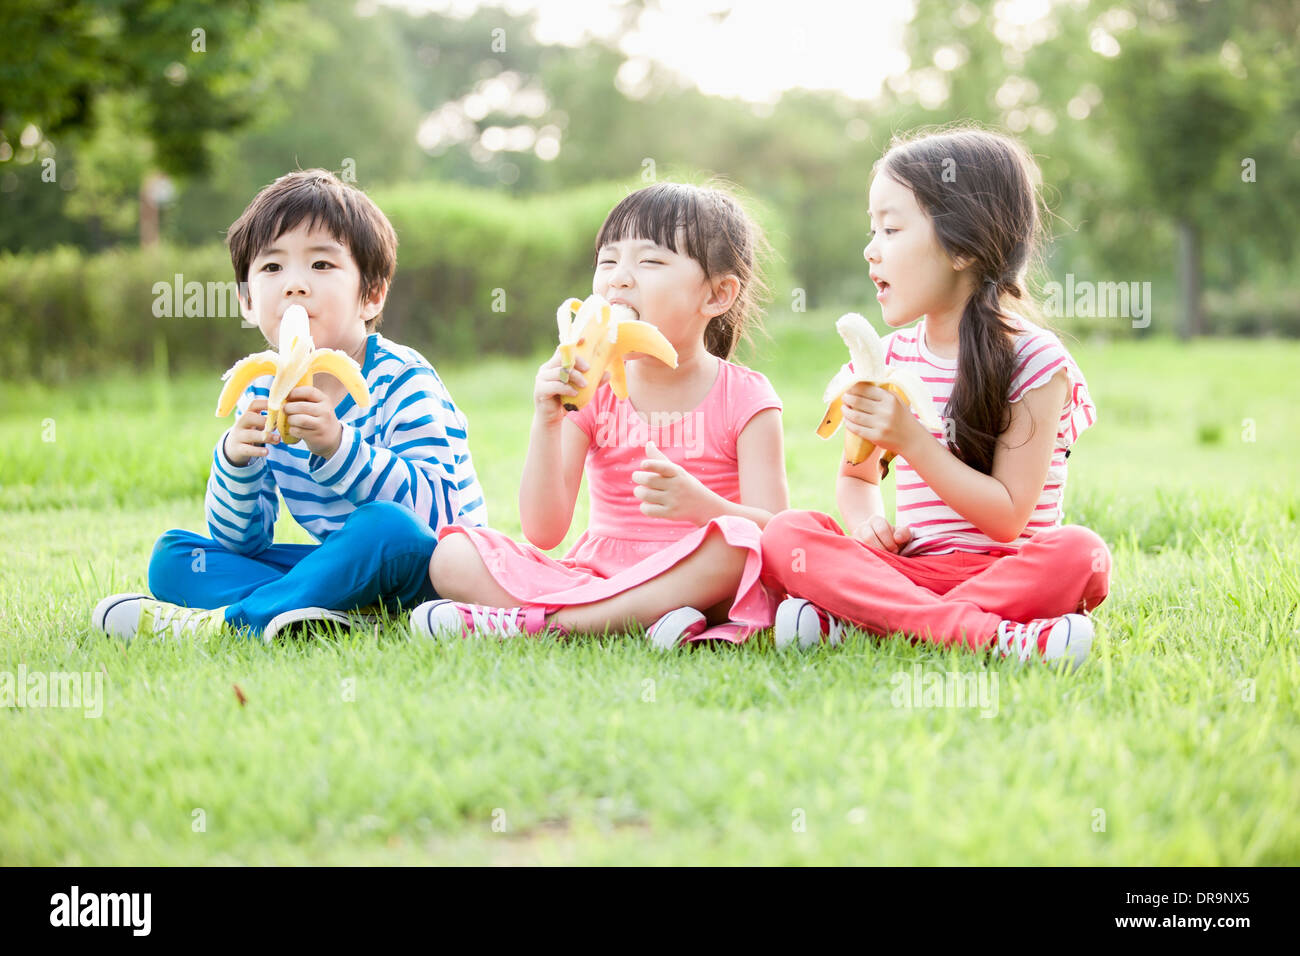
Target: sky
(751, 50)
(754, 53)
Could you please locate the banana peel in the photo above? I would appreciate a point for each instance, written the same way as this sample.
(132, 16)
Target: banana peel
(603, 334)
(295, 363)
(867, 353)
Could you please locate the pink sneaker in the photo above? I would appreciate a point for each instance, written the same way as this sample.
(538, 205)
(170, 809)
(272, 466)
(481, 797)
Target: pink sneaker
(803, 622)
(686, 625)
(676, 627)
(731, 633)
(447, 618)
(1066, 638)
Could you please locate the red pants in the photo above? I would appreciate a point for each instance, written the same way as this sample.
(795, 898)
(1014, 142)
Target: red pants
(945, 598)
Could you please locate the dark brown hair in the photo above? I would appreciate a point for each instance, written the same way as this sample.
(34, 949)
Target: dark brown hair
(715, 231)
(980, 191)
(320, 198)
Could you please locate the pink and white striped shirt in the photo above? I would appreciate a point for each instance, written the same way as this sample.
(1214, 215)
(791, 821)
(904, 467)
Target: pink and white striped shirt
(937, 528)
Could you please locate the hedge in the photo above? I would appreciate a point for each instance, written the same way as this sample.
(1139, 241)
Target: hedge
(477, 272)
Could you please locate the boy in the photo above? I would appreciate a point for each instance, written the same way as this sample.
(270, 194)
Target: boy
(372, 486)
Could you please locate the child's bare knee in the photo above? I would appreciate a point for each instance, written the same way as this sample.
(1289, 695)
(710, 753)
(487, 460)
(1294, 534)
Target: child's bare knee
(452, 557)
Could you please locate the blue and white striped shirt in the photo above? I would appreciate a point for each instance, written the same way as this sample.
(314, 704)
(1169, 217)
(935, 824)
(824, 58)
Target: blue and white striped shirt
(410, 447)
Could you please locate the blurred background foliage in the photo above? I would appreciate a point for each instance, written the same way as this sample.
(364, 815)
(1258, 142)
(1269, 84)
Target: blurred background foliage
(134, 132)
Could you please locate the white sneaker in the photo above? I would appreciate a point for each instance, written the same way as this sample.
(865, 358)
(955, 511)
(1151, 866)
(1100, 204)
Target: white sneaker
(127, 616)
(1066, 638)
(674, 627)
(806, 622)
(300, 619)
(447, 618)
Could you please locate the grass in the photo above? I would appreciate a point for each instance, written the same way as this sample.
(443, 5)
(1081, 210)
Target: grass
(1177, 743)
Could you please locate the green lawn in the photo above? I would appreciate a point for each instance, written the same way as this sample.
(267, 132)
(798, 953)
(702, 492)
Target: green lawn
(1177, 743)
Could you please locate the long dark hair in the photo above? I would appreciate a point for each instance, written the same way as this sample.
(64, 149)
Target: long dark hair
(980, 190)
(717, 233)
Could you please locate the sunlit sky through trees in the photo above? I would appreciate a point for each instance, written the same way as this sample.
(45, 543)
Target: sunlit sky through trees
(748, 50)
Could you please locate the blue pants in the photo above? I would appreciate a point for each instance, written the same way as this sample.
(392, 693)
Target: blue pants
(380, 556)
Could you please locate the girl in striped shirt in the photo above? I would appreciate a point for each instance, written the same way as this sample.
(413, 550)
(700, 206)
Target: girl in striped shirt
(978, 555)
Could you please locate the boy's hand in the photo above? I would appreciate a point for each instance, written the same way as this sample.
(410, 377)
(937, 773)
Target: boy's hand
(311, 418)
(877, 532)
(244, 441)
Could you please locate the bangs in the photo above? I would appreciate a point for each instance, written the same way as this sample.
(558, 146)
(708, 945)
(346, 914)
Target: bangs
(306, 203)
(664, 214)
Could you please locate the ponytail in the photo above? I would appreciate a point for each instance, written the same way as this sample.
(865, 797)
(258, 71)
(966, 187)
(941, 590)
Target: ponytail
(722, 334)
(978, 406)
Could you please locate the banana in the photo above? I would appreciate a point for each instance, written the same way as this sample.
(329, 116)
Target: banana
(602, 334)
(868, 358)
(294, 364)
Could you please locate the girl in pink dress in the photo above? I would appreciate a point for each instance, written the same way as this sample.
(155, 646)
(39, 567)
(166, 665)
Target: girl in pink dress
(682, 475)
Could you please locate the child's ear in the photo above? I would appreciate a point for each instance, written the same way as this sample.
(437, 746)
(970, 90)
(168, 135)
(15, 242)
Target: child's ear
(961, 263)
(246, 304)
(373, 304)
(722, 296)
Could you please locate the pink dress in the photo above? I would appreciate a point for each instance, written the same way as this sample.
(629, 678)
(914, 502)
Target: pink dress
(621, 547)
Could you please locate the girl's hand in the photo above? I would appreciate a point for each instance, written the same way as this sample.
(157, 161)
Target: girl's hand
(311, 418)
(877, 415)
(667, 490)
(553, 386)
(878, 533)
(244, 441)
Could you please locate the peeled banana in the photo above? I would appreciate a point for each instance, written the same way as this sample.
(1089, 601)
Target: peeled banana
(293, 364)
(868, 360)
(602, 334)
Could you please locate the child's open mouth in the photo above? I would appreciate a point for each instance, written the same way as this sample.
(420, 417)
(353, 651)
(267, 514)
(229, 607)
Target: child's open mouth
(882, 288)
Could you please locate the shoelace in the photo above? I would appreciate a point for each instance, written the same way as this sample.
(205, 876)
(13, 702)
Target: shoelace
(1023, 638)
(496, 620)
(178, 620)
(830, 627)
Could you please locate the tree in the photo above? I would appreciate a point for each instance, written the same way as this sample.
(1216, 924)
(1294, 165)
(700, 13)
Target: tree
(1184, 115)
(120, 89)
(1148, 119)
(342, 97)
(191, 62)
